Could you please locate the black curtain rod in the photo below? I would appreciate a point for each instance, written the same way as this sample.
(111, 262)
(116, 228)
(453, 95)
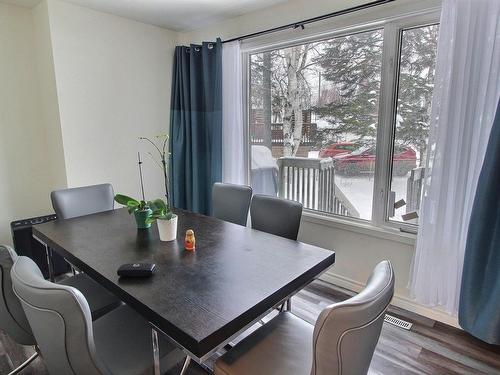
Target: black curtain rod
(301, 24)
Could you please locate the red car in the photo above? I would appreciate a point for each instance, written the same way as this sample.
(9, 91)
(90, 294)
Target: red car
(338, 148)
(362, 160)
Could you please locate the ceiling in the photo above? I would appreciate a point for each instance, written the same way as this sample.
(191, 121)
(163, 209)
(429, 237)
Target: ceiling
(178, 15)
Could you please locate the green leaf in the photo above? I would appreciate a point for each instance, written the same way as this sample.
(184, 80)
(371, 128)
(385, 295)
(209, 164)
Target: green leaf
(132, 206)
(150, 220)
(158, 205)
(143, 205)
(124, 199)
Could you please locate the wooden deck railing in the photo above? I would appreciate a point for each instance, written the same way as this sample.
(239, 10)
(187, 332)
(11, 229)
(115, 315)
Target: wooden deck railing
(312, 182)
(308, 138)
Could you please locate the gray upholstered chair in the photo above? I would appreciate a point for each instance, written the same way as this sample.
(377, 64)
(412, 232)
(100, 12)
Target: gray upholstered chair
(80, 201)
(70, 343)
(231, 202)
(276, 215)
(12, 318)
(341, 342)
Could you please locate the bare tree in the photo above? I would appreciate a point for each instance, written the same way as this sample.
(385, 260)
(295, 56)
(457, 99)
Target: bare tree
(281, 91)
(267, 110)
(296, 88)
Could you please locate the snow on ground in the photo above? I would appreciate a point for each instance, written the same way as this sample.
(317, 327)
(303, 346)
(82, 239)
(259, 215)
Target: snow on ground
(359, 190)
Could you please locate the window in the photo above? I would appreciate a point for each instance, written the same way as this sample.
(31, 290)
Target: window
(414, 95)
(315, 124)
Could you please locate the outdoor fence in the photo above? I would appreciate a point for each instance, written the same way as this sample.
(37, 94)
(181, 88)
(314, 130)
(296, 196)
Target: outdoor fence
(257, 131)
(311, 181)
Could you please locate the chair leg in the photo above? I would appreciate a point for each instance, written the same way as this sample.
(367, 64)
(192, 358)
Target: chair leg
(187, 361)
(156, 351)
(23, 365)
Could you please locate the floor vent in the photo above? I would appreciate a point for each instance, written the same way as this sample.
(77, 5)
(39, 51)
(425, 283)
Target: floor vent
(397, 322)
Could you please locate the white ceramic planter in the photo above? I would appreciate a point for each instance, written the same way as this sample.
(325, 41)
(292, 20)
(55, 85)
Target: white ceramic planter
(167, 229)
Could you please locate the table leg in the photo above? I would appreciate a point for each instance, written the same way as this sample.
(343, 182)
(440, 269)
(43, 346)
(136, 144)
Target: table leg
(156, 352)
(48, 253)
(289, 304)
(187, 361)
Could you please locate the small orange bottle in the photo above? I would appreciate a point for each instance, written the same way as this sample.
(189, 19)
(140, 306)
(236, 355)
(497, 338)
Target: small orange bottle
(189, 240)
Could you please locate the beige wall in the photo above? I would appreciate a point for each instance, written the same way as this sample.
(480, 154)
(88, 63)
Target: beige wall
(113, 84)
(276, 15)
(25, 175)
(78, 89)
(54, 155)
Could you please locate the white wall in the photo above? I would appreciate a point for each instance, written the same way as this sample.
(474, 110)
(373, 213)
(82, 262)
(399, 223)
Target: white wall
(113, 84)
(357, 250)
(276, 15)
(25, 176)
(54, 153)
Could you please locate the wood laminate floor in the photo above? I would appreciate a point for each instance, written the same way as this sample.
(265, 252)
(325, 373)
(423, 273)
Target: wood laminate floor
(429, 347)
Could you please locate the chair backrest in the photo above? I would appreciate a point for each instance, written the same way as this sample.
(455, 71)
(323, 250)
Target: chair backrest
(12, 317)
(231, 202)
(346, 333)
(82, 201)
(60, 319)
(276, 215)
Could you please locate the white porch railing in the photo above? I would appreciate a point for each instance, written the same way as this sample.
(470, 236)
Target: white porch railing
(312, 182)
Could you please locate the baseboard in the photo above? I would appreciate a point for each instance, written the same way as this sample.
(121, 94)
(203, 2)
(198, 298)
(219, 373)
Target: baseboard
(398, 300)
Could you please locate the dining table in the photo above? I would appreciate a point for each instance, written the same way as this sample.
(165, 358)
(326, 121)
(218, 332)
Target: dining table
(201, 300)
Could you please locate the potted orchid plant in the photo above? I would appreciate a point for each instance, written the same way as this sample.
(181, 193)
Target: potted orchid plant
(140, 208)
(165, 219)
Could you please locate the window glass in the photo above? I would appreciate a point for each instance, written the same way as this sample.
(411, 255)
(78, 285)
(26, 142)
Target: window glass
(305, 101)
(414, 95)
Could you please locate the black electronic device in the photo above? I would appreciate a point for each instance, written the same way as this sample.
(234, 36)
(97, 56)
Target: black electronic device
(26, 245)
(136, 270)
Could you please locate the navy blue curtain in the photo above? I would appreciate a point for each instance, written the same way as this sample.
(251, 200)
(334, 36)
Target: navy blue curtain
(196, 125)
(479, 311)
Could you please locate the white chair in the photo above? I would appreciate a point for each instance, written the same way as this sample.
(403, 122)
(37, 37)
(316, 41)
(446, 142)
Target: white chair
(341, 342)
(70, 343)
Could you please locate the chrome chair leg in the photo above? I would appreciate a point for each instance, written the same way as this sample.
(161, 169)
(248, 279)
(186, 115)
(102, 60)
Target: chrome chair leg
(50, 264)
(288, 304)
(23, 365)
(156, 352)
(187, 361)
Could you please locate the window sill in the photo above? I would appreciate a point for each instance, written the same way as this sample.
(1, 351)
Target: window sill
(368, 229)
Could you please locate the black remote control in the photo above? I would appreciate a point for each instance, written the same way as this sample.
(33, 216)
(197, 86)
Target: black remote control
(136, 270)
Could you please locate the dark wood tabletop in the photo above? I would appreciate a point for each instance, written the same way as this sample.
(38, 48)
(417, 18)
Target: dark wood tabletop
(202, 298)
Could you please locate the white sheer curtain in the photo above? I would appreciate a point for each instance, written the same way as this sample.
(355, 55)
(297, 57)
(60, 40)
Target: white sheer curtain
(233, 158)
(467, 88)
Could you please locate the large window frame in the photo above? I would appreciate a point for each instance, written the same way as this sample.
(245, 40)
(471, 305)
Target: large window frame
(393, 27)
